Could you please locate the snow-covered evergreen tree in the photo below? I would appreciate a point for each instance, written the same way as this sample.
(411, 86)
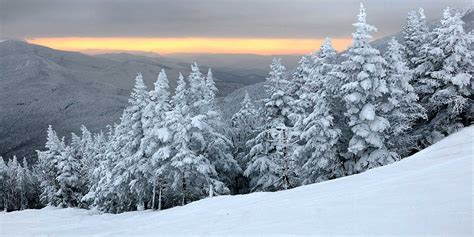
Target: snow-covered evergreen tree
(270, 167)
(449, 78)
(365, 87)
(402, 108)
(129, 180)
(209, 137)
(318, 154)
(3, 185)
(211, 85)
(245, 125)
(48, 168)
(15, 182)
(156, 141)
(70, 189)
(120, 188)
(301, 90)
(416, 35)
(190, 173)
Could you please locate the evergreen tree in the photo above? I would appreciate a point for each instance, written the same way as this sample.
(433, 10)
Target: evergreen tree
(189, 172)
(364, 89)
(301, 90)
(156, 135)
(130, 182)
(319, 152)
(245, 125)
(209, 137)
(69, 193)
(15, 191)
(416, 35)
(119, 188)
(402, 107)
(48, 168)
(211, 85)
(449, 77)
(3, 185)
(270, 167)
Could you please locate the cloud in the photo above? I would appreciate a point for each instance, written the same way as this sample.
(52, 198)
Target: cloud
(204, 18)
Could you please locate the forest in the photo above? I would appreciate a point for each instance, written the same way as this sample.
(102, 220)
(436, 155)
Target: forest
(334, 116)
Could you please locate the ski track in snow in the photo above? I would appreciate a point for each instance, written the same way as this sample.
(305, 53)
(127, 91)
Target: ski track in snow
(429, 193)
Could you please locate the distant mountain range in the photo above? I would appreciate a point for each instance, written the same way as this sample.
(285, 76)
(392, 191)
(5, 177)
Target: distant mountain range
(41, 86)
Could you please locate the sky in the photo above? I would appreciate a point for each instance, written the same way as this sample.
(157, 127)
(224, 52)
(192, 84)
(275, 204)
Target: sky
(202, 26)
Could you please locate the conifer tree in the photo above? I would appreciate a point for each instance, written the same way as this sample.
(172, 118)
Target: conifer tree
(157, 137)
(448, 77)
(245, 124)
(416, 35)
(48, 168)
(190, 173)
(364, 89)
(3, 185)
(318, 154)
(402, 108)
(69, 193)
(270, 167)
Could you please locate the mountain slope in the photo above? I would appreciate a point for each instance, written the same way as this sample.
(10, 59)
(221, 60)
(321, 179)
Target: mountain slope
(429, 193)
(41, 86)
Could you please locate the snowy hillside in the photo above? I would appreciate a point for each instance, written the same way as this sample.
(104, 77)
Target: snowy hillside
(68, 89)
(426, 194)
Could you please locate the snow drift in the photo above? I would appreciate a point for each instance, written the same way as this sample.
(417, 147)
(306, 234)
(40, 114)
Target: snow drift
(429, 193)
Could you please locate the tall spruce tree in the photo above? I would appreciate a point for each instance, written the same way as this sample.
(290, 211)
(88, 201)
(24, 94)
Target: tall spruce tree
(270, 167)
(189, 171)
(365, 88)
(48, 168)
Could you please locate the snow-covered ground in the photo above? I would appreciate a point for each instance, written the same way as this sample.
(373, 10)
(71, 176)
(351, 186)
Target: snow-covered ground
(429, 193)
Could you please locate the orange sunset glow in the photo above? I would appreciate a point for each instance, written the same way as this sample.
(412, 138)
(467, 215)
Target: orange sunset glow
(263, 46)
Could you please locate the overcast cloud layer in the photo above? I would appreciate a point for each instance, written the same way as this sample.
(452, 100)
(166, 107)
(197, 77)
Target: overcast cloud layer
(205, 18)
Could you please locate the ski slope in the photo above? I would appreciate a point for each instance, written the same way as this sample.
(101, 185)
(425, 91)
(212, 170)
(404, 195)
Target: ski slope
(429, 193)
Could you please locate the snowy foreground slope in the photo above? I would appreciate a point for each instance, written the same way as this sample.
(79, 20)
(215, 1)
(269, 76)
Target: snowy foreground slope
(426, 194)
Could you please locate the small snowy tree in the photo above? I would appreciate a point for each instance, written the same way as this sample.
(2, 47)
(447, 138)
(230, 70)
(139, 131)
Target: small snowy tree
(3, 185)
(211, 85)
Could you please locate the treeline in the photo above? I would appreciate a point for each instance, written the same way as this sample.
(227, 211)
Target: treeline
(327, 120)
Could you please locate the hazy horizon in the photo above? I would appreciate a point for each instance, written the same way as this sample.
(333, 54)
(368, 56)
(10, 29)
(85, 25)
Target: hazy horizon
(206, 27)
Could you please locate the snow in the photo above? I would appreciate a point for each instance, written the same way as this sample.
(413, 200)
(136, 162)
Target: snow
(426, 194)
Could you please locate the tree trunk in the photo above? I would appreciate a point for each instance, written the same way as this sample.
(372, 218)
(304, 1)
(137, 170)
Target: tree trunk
(154, 194)
(159, 198)
(184, 191)
(211, 191)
